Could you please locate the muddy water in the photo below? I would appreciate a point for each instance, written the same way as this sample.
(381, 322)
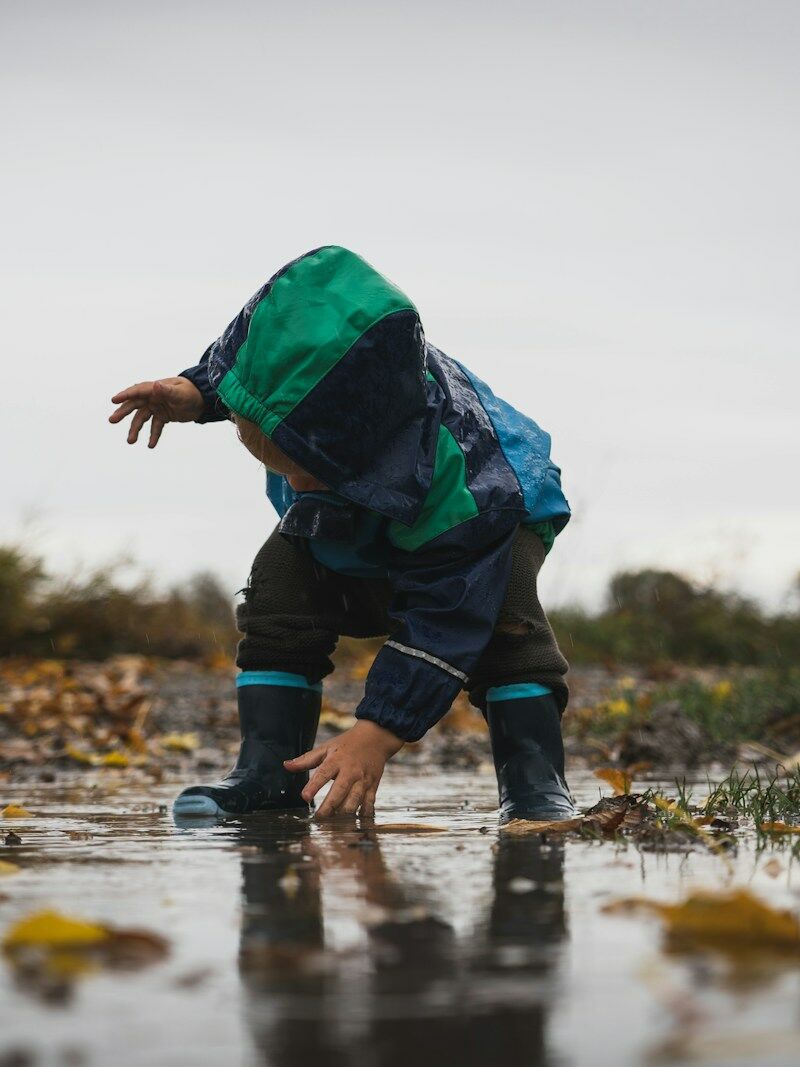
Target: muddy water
(297, 944)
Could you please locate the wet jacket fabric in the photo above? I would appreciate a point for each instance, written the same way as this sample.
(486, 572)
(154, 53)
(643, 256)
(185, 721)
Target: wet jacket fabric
(429, 473)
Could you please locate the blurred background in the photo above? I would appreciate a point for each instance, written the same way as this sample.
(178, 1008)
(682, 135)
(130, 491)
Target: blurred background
(594, 206)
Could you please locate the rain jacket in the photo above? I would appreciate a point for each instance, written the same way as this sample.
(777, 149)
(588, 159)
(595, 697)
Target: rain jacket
(429, 473)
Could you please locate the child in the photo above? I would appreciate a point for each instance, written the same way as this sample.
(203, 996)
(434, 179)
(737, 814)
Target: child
(412, 503)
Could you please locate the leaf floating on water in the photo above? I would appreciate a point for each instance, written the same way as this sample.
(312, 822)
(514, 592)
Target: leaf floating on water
(15, 811)
(779, 827)
(408, 828)
(55, 947)
(620, 781)
(773, 868)
(730, 922)
(51, 929)
(541, 826)
(9, 868)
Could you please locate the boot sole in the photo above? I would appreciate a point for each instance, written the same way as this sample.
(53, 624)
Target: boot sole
(198, 807)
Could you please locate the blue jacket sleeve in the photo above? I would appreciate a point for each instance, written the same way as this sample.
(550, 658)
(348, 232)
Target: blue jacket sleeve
(213, 408)
(446, 603)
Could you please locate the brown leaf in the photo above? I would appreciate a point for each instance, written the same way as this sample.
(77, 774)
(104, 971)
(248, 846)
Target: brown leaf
(408, 828)
(520, 827)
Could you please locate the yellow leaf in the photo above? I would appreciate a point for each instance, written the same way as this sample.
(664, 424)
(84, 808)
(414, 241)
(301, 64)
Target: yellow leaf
(721, 690)
(731, 922)
(619, 781)
(180, 742)
(15, 811)
(77, 755)
(616, 707)
(113, 759)
(50, 929)
(779, 827)
(9, 868)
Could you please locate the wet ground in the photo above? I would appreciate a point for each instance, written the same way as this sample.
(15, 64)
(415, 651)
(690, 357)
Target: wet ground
(296, 944)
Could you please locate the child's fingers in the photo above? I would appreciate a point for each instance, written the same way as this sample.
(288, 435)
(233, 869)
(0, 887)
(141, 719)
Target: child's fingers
(352, 801)
(318, 779)
(156, 428)
(368, 803)
(309, 759)
(124, 410)
(137, 422)
(133, 392)
(335, 798)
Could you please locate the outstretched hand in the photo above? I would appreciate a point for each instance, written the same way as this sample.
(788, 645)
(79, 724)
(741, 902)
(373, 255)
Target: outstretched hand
(163, 401)
(354, 762)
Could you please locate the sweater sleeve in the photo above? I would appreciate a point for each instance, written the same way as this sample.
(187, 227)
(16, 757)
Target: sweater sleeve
(213, 408)
(446, 603)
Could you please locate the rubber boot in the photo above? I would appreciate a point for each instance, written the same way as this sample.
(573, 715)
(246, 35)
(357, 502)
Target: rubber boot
(528, 751)
(278, 721)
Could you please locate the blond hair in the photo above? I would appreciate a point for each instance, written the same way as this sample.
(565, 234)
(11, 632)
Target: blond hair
(259, 445)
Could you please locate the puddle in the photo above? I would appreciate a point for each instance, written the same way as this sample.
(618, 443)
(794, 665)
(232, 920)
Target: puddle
(296, 944)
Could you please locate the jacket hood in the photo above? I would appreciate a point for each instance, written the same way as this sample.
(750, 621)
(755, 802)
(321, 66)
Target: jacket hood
(329, 360)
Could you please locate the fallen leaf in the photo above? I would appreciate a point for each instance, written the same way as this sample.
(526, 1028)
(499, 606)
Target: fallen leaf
(520, 827)
(130, 949)
(113, 759)
(180, 742)
(773, 868)
(15, 811)
(611, 813)
(408, 828)
(51, 929)
(78, 755)
(729, 922)
(9, 868)
(620, 781)
(56, 946)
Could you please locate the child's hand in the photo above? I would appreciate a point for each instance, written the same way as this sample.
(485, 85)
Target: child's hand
(354, 761)
(167, 400)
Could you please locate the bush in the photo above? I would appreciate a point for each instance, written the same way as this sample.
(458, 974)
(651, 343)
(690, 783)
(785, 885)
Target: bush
(653, 616)
(93, 616)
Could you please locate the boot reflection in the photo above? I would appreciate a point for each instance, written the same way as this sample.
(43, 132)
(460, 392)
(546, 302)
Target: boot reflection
(281, 954)
(403, 987)
(479, 1001)
(526, 929)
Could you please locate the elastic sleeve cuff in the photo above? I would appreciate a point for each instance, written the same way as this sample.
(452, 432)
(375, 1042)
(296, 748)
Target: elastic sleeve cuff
(213, 408)
(406, 695)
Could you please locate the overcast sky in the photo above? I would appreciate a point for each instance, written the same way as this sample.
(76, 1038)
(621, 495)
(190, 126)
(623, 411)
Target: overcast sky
(594, 205)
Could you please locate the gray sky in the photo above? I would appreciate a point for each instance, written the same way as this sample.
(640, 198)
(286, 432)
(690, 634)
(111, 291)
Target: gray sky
(594, 206)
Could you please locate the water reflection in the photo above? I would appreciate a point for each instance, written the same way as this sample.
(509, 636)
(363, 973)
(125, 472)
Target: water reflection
(405, 987)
